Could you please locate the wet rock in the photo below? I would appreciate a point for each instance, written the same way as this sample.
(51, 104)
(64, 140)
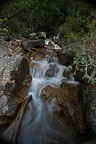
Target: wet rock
(35, 66)
(32, 36)
(88, 94)
(39, 56)
(14, 75)
(65, 57)
(52, 70)
(48, 93)
(69, 106)
(33, 44)
(49, 73)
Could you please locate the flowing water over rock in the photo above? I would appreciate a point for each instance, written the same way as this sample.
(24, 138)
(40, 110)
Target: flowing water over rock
(38, 125)
(56, 46)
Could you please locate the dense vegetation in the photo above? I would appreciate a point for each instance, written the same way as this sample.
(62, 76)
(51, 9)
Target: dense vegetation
(75, 19)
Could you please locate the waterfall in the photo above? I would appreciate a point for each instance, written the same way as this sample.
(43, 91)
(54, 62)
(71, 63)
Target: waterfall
(39, 125)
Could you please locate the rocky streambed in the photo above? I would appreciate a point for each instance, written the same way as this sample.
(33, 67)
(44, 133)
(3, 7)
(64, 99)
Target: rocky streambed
(61, 109)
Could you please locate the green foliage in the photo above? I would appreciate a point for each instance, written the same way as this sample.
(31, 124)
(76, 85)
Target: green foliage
(2, 29)
(79, 30)
(71, 17)
(69, 68)
(85, 59)
(33, 15)
(80, 19)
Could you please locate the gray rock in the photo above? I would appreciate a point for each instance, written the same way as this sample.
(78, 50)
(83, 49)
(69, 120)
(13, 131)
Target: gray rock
(14, 77)
(33, 44)
(4, 50)
(32, 36)
(14, 43)
(88, 95)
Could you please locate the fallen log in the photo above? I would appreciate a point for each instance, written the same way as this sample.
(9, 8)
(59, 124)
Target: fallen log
(19, 118)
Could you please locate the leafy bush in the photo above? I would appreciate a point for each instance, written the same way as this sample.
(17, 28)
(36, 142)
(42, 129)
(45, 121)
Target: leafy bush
(2, 29)
(79, 31)
(85, 58)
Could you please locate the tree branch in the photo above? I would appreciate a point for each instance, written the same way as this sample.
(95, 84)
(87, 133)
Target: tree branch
(19, 120)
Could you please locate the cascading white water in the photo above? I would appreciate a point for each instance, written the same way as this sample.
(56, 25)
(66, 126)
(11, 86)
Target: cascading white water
(38, 125)
(56, 46)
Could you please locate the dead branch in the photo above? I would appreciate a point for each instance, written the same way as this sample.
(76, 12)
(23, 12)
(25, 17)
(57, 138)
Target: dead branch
(19, 120)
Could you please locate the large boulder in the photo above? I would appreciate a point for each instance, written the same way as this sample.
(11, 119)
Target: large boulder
(14, 83)
(68, 104)
(88, 94)
(33, 44)
(65, 57)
